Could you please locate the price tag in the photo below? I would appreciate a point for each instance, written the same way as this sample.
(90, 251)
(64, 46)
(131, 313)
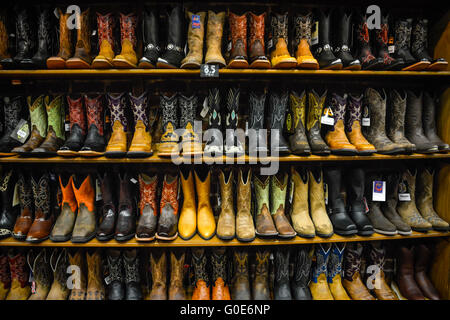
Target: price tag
(209, 71)
(21, 131)
(133, 180)
(22, 134)
(107, 280)
(366, 122)
(379, 191)
(205, 109)
(229, 46)
(391, 49)
(98, 191)
(327, 121)
(196, 23)
(269, 44)
(16, 199)
(291, 194)
(404, 197)
(315, 33)
(67, 126)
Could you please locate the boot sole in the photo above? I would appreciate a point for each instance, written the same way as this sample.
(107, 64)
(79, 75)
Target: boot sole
(164, 65)
(321, 153)
(325, 235)
(285, 65)
(86, 153)
(346, 233)
(394, 151)
(366, 152)
(306, 236)
(403, 233)
(139, 154)
(441, 229)
(17, 237)
(166, 238)
(238, 64)
(344, 152)
(45, 154)
(354, 67)
(226, 238)
(206, 238)
(67, 153)
(190, 65)
(285, 236)
(7, 154)
(123, 64)
(376, 66)
(60, 238)
(124, 238)
(75, 63)
(83, 239)
(365, 233)
(56, 63)
(37, 240)
(146, 65)
(187, 238)
(220, 63)
(437, 66)
(245, 240)
(334, 66)
(168, 154)
(4, 236)
(101, 64)
(266, 235)
(260, 64)
(433, 150)
(104, 238)
(309, 65)
(423, 230)
(418, 66)
(387, 233)
(303, 153)
(144, 239)
(115, 154)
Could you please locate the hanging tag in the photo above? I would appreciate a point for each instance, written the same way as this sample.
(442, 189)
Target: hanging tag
(269, 44)
(391, 45)
(33, 283)
(365, 122)
(327, 118)
(133, 180)
(271, 256)
(391, 49)
(98, 191)
(365, 204)
(315, 33)
(246, 128)
(21, 131)
(325, 190)
(52, 176)
(107, 280)
(379, 191)
(205, 109)
(16, 199)
(229, 46)
(196, 24)
(67, 126)
(291, 194)
(404, 197)
(94, 33)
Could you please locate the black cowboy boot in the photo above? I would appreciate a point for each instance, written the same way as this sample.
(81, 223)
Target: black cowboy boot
(365, 56)
(302, 274)
(295, 124)
(105, 229)
(45, 40)
(12, 111)
(313, 124)
(419, 46)
(282, 288)
(324, 51)
(214, 145)
(174, 51)
(381, 45)
(261, 280)
(150, 32)
(78, 130)
(256, 122)
(126, 218)
(342, 41)
(403, 44)
(8, 213)
(95, 143)
(26, 42)
(132, 278)
(278, 105)
(114, 275)
(233, 144)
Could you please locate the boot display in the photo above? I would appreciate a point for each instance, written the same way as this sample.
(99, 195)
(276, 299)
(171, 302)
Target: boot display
(26, 217)
(187, 224)
(245, 228)
(132, 277)
(405, 274)
(319, 216)
(127, 57)
(260, 283)
(241, 286)
(42, 274)
(258, 138)
(319, 284)
(279, 53)
(195, 35)
(8, 213)
(206, 225)
(265, 226)
(168, 216)
(44, 38)
(233, 145)
(429, 121)
(342, 41)
(108, 218)
(302, 274)
(12, 113)
(158, 266)
(278, 188)
(301, 221)
(148, 218)
(75, 141)
(313, 124)
(214, 33)
(256, 47)
(422, 258)
(377, 258)
(78, 260)
(226, 225)
(168, 144)
(82, 57)
(214, 143)
(334, 269)
(323, 51)
(190, 141)
(363, 45)
(150, 31)
(201, 289)
(176, 289)
(20, 289)
(174, 51)
(396, 120)
(26, 39)
(302, 42)
(65, 43)
(295, 124)
(105, 27)
(238, 32)
(117, 145)
(126, 216)
(95, 289)
(94, 145)
(381, 45)
(282, 288)
(85, 223)
(277, 109)
(59, 262)
(141, 144)
(220, 290)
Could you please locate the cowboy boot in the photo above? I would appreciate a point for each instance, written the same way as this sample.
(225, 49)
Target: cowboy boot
(45, 38)
(65, 43)
(62, 231)
(220, 290)
(141, 144)
(59, 262)
(75, 141)
(381, 45)
(20, 289)
(282, 288)
(342, 41)
(150, 31)
(174, 51)
(396, 120)
(295, 124)
(79, 286)
(318, 212)
(82, 57)
(127, 57)
(195, 35)
(245, 229)
(168, 144)
(238, 33)
(423, 257)
(176, 289)
(26, 39)
(256, 49)
(115, 276)
(260, 287)
(214, 32)
(233, 140)
(95, 289)
(187, 225)
(132, 278)
(334, 269)
(12, 113)
(106, 227)
(201, 289)
(258, 135)
(206, 224)
(158, 266)
(313, 124)
(117, 144)
(8, 213)
(168, 216)
(94, 145)
(405, 279)
(105, 27)
(214, 143)
(126, 216)
(279, 55)
(55, 129)
(355, 201)
(323, 51)
(6, 60)
(85, 223)
(381, 288)
(335, 137)
(191, 144)
(278, 105)
(302, 42)
(429, 121)
(5, 276)
(25, 219)
(319, 284)
(42, 274)
(146, 228)
(265, 226)
(277, 199)
(301, 221)
(302, 275)
(241, 285)
(364, 50)
(226, 225)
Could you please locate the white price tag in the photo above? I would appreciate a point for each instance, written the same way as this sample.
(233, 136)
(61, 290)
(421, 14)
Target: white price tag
(327, 121)
(230, 45)
(291, 194)
(269, 44)
(391, 49)
(325, 187)
(133, 180)
(16, 199)
(366, 122)
(21, 133)
(315, 33)
(98, 191)
(67, 126)
(379, 191)
(205, 109)
(404, 197)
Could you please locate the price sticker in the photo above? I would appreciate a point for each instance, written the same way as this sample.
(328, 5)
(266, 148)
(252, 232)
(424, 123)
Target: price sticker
(404, 197)
(366, 122)
(379, 191)
(209, 71)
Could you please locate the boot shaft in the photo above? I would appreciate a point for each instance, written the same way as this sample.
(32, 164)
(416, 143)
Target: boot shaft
(302, 270)
(19, 269)
(176, 268)
(403, 34)
(44, 28)
(150, 30)
(282, 265)
(114, 266)
(338, 105)
(25, 193)
(256, 34)
(128, 28)
(169, 193)
(256, 104)
(105, 27)
(405, 258)
(215, 119)
(302, 29)
(219, 264)
(169, 106)
(240, 265)
(413, 115)
(362, 32)
(316, 190)
(7, 185)
(117, 104)
(65, 36)
(278, 193)
(238, 31)
(344, 20)
(147, 191)
(77, 113)
(297, 113)
(12, 111)
(4, 38)
(203, 187)
(244, 191)
(231, 120)
(322, 254)
(419, 39)
(397, 113)
(68, 196)
(55, 116)
(382, 34)
(334, 266)
(429, 113)
(131, 266)
(315, 107)
(199, 262)
(41, 193)
(95, 269)
(94, 112)
(83, 33)
(158, 265)
(78, 259)
(261, 192)
(226, 190)
(188, 108)
(215, 25)
(352, 262)
(5, 273)
(278, 104)
(187, 183)
(376, 103)
(425, 187)
(354, 105)
(125, 191)
(38, 115)
(262, 264)
(84, 192)
(42, 273)
(24, 32)
(279, 28)
(334, 183)
(139, 106)
(59, 261)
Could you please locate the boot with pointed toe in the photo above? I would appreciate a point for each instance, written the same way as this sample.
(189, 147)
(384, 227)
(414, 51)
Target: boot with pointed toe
(220, 290)
(302, 42)
(82, 57)
(355, 199)
(126, 216)
(429, 121)
(108, 218)
(190, 140)
(233, 142)
(206, 224)
(323, 50)
(257, 132)
(201, 288)
(8, 214)
(42, 273)
(238, 58)
(20, 288)
(381, 44)
(141, 144)
(214, 143)
(127, 57)
(245, 228)
(278, 104)
(62, 230)
(174, 51)
(396, 120)
(256, 47)
(260, 284)
(26, 217)
(342, 46)
(94, 144)
(150, 31)
(214, 33)
(95, 288)
(301, 220)
(86, 222)
(65, 43)
(265, 226)
(105, 27)
(117, 145)
(319, 216)
(334, 268)
(241, 285)
(280, 56)
(313, 124)
(75, 141)
(168, 216)
(176, 288)
(302, 274)
(295, 124)
(187, 224)
(363, 44)
(195, 35)
(115, 276)
(148, 214)
(78, 260)
(59, 262)
(226, 225)
(377, 258)
(319, 284)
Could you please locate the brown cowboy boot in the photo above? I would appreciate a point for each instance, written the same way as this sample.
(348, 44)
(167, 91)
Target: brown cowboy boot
(95, 288)
(158, 266)
(241, 284)
(20, 289)
(5, 276)
(195, 34)
(62, 231)
(146, 228)
(65, 43)
(245, 228)
(85, 224)
(238, 33)
(168, 218)
(256, 49)
(105, 25)
(214, 38)
(82, 58)
(176, 289)
(226, 225)
(278, 198)
(42, 274)
(127, 57)
(25, 219)
(59, 262)
(79, 288)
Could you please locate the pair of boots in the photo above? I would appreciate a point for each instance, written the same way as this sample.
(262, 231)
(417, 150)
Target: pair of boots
(278, 44)
(47, 127)
(14, 275)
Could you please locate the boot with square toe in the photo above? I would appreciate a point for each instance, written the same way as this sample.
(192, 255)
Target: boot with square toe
(168, 216)
(295, 124)
(334, 267)
(148, 218)
(127, 57)
(94, 145)
(319, 216)
(62, 230)
(82, 57)
(280, 56)
(141, 144)
(150, 30)
(105, 27)
(323, 50)
(126, 216)
(313, 123)
(238, 31)
(195, 35)
(319, 285)
(301, 220)
(107, 223)
(278, 204)
(78, 129)
(168, 145)
(265, 226)
(377, 258)
(342, 41)
(65, 43)
(302, 42)
(429, 121)
(256, 48)
(117, 144)
(214, 34)
(86, 222)
(174, 51)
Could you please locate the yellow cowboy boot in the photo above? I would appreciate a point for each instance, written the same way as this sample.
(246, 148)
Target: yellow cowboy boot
(187, 225)
(117, 145)
(127, 57)
(141, 145)
(105, 25)
(214, 34)
(335, 271)
(206, 224)
(195, 33)
(280, 56)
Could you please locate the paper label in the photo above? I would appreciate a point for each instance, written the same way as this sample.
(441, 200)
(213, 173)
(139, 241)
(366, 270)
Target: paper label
(379, 191)
(327, 121)
(315, 33)
(291, 194)
(196, 24)
(133, 180)
(98, 191)
(205, 109)
(16, 199)
(21, 131)
(404, 197)
(269, 44)
(107, 280)
(391, 49)
(67, 126)
(229, 46)
(365, 122)
(209, 71)
(325, 190)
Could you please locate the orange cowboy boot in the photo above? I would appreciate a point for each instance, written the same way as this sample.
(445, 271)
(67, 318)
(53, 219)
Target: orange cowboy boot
(220, 290)
(65, 43)
(105, 26)
(302, 42)
(127, 57)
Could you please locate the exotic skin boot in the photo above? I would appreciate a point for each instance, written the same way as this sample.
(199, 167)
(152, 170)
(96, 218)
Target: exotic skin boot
(214, 145)
(302, 274)
(127, 57)
(62, 230)
(423, 257)
(319, 284)
(78, 128)
(256, 48)
(364, 55)
(376, 132)
(199, 262)
(114, 275)
(148, 214)
(26, 217)
(335, 137)
(176, 289)
(260, 284)
(26, 39)
(42, 273)
(334, 268)
(380, 287)
(117, 145)
(245, 228)
(190, 141)
(55, 129)
(82, 57)
(241, 285)
(226, 225)
(78, 260)
(396, 120)
(5, 276)
(313, 124)
(220, 290)
(158, 267)
(355, 201)
(279, 55)
(301, 221)
(168, 216)
(238, 33)
(257, 132)
(353, 126)
(282, 288)
(150, 31)
(214, 32)
(94, 145)
(318, 212)
(86, 223)
(278, 105)
(405, 279)
(107, 222)
(265, 226)
(206, 225)
(187, 224)
(95, 289)
(174, 51)
(126, 217)
(429, 121)
(141, 144)
(133, 289)
(8, 214)
(323, 51)
(12, 113)
(44, 37)
(295, 124)
(233, 145)
(105, 27)
(352, 277)
(302, 42)
(342, 41)
(414, 125)
(381, 44)
(278, 189)
(65, 43)
(195, 35)
(20, 289)
(59, 262)
(168, 144)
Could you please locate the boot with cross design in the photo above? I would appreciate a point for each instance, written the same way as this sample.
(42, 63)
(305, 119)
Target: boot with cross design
(117, 145)
(141, 145)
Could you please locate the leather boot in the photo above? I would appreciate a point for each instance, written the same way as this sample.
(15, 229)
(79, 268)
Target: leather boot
(381, 288)
(425, 200)
(176, 289)
(26, 39)
(277, 200)
(414, 126)
(260, 283)
(402, 40)
(82, 57)
(334, 269)
(115, 276)
(257, 133)
(318, 212)
(313, 124)
(117, 145)
(95, 289)
(419, 46)
(6, 60)
(423, 257)
(381, 45)
(55, 129)
(405, 274)
(295, 124)
(214, 142)
(106, 228)
(353, 126)
(396, 120)
(199, 262)
(94, 145)
(26, 217)
(226, 225)
(141, 144)
(42, 273)
(363, 45)
(238, 33)
(65, 43)
(44, 38)
(75, 141)
(8, 214)
(148, 218)
(376, 132)
(256, 48)
(150, 31)
(190, 140)
(429, 121)
(20, 289)
(187, 225)
(277, 105)
(132, 277)
(59, 262)
(342, 223)
(214, 32)
(168, 216)
(335, 137)
(85, 224)
(342, 41)
(279, 55)
(206, 224)
(302, 275)
(158, 266)
(241, 284)
(302, 42)
(233, 144)
(323, 51)
(12, 113)
(62, 230)
(174, 51)
(301, 221)
(195, 35)
(319, 285)
(355, 200)
(245, 229)
(265, 226)
(352, 277)
(127, 57)
(5, 276)
(38, 117)
(220, 290)
(79, 286)
(168, 144)
(105, 27)
(282, 288)
(126, 217)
